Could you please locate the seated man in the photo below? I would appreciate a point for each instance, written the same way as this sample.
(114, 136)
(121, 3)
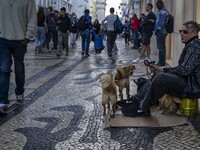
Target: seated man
(182, 80)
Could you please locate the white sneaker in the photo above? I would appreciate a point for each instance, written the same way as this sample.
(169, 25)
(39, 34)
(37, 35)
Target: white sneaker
(137, 60)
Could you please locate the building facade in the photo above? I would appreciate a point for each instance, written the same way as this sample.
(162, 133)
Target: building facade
(56, 4)
(100, 9)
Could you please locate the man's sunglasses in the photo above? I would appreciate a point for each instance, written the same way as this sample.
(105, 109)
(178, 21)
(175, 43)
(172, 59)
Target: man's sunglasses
(184, 31)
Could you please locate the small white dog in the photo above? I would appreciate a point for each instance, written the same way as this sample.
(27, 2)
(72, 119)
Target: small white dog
(109, 89)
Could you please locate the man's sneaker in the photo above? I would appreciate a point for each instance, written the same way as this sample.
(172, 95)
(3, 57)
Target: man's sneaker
(3, 109)
(141, 113)
(87, 54)
(58, 54)
(20, 99)
(137, 60)
(82, 53)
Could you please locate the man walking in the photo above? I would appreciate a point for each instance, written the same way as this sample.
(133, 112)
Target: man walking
(52, 32)
(111, 34)
(85, 26)
(63, 31)
(17, 27)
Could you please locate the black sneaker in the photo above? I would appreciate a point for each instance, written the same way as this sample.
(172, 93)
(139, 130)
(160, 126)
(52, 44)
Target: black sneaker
(3, 109)
(20, 99)
(87, 55)
(82, 53)
(141, 113)
(58, 54)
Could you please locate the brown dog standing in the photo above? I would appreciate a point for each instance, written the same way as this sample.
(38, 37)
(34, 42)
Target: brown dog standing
(109, 90)
(122, 79)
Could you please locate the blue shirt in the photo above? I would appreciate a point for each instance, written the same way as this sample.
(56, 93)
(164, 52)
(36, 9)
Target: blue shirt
(161, 20)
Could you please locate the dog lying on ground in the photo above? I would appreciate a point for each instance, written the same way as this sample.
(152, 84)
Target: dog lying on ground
(109, 95)
(168, 104)
(122, 79)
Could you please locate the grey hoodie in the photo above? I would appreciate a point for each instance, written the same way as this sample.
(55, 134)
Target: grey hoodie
(18, 19)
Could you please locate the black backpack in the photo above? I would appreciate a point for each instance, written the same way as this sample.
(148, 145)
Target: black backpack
(169, 24)
(118, 26)
(82, 23)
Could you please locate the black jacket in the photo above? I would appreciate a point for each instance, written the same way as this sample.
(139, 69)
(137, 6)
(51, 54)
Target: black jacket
(189, 68)
(63, 26)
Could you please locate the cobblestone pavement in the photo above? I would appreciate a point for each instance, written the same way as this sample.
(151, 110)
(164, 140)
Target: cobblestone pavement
(62, 109)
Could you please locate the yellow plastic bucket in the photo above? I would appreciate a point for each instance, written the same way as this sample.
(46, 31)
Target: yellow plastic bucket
(189, 107)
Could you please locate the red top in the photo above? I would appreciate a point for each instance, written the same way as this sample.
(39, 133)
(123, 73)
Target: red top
(135, 23)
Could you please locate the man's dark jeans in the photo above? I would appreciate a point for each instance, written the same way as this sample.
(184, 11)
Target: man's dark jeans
(111, 37)
(7, 50)
(52, 33)
(161, 84)
(160, 38)
(85, 36)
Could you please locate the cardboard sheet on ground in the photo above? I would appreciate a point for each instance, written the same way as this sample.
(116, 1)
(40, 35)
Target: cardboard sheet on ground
(155, 120)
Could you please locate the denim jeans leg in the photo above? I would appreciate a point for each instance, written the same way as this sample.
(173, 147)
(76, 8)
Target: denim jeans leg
(87, 41)
(42, 36)
(161, 47)
(135, 37)
(83, 40)
(19, 51)
(55, 37)
(5, 67)
(37, 39)
(162, 84)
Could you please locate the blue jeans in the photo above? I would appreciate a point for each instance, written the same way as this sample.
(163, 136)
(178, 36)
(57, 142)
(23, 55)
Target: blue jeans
(160, 38)
(161, 84)
(40, 37)
(135, 38)
(85, 36)
(17, 50)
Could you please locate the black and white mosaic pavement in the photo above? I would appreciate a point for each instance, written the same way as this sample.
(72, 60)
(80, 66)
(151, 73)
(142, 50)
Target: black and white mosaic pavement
(65, 112)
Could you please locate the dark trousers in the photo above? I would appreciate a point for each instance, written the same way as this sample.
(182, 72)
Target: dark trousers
(52, 33)
(111, 37)
(127, 37)
(17, 50)
(161, 84)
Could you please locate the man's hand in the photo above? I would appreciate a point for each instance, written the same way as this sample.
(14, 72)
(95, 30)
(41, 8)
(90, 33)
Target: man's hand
(155, 69)
(25, 41)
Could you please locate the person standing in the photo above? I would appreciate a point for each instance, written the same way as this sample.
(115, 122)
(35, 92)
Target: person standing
(135, 24)
(41, 30)
(73, 30)
(52, 29)
(160, 32)
(147, 32)
(85, 31)
(127, 30)
(63, 31)
(111, 35)
(15, 33)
